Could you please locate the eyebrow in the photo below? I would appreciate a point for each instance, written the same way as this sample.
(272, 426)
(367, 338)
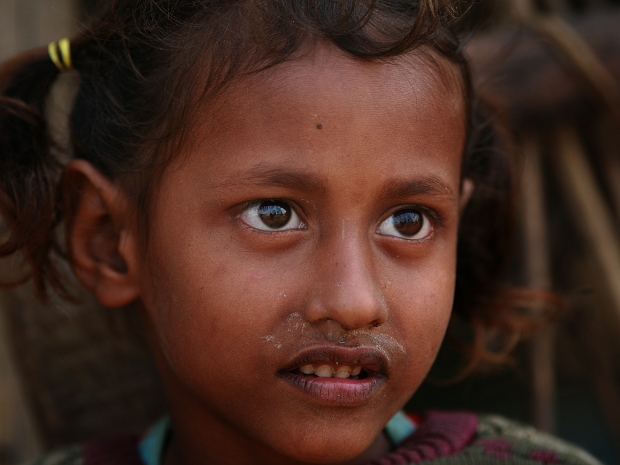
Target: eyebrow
(278, 177)
(310, 182)
(430, 185)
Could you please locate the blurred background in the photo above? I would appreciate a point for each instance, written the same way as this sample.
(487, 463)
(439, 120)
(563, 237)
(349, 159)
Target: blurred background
(552, 68)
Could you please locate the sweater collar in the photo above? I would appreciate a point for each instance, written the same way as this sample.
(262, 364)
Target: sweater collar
(151, 447)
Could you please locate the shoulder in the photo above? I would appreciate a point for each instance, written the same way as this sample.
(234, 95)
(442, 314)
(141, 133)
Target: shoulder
(459, 438)
(118, 449)
(512, 442)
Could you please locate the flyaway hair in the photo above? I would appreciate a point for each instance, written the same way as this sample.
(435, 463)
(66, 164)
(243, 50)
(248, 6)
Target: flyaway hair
(146, 66)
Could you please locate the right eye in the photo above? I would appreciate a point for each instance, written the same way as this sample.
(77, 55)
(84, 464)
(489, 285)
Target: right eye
(409, 224)
(271, 215)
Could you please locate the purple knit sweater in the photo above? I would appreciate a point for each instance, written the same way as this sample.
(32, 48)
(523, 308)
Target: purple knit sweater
(445, 438)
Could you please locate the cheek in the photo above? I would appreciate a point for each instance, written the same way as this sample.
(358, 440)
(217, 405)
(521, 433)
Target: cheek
(420, 300)
(209, 302)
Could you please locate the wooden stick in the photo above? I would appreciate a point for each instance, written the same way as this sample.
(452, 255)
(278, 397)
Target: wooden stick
(584, 59)
(523, 8)
(521, 72)
(592, 216)
(608, 149)
(541, 347)
(558, 6)
(534, 215)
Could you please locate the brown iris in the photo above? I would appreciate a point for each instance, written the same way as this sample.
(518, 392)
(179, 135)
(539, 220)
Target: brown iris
(274, 214)
(408, 222)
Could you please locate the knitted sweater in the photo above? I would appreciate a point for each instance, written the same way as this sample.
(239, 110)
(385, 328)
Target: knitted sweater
(445, 438)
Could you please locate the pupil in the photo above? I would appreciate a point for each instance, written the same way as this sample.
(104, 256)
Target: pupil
(408, 222)
(274, 214)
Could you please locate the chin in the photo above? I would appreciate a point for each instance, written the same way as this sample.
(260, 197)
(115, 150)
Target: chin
(336, 454)
(330, 446)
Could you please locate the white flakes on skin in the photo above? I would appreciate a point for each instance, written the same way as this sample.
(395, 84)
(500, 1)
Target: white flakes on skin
(304, 333)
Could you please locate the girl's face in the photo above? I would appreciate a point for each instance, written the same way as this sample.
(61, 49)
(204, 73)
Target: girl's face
(301, 263)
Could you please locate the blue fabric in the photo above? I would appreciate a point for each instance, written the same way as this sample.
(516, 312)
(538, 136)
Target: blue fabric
(151, 448)
(399, 428)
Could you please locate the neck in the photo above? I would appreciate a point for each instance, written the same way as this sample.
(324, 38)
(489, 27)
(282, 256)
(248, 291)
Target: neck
(182, 451)
(200, 436)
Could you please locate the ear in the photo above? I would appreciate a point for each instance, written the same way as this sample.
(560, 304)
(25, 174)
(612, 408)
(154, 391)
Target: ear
(467, 190)
(101, 235)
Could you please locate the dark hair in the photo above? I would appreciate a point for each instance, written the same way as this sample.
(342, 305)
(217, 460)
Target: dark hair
(139, 82)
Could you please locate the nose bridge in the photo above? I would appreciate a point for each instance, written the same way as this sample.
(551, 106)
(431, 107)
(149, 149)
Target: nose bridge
(347, 291)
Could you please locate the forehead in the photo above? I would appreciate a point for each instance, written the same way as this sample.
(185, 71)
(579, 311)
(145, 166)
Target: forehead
(327, 84)
(325, 104)
(324, 70)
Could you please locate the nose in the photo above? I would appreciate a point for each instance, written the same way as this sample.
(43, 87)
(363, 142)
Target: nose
(346, 288)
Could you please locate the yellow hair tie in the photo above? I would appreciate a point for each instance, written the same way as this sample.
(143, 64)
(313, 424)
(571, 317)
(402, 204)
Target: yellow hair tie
(62, 62)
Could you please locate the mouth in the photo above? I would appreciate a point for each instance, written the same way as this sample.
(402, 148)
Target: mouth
(337, 375)
(324, 370)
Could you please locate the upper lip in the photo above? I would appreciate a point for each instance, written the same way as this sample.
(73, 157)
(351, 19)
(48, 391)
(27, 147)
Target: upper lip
(365, 357)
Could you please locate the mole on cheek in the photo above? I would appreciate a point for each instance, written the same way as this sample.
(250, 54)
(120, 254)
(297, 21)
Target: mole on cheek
(319, 126)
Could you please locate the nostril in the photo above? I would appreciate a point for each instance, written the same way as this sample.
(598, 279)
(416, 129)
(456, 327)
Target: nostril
(376, 323)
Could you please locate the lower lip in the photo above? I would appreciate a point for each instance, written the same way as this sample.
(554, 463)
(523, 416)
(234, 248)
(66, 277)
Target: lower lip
(336, 391)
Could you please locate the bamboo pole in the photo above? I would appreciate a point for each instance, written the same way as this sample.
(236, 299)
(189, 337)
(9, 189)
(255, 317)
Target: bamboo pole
(608, 148)
(595, 75)
(595, 3)
(593, 219)
(523, 8)
(572, 46)
(592, 216)
(558, 6)
(24, 24)
(538, 270)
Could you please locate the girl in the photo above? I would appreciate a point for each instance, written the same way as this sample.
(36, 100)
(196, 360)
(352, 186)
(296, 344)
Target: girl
(281, 187)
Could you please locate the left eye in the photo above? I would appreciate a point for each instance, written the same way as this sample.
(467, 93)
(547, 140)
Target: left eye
(407, 224)
(271, 215)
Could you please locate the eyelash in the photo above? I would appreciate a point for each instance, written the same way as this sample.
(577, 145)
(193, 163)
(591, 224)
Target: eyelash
(248, 217)
(254, 220)
(423, 224)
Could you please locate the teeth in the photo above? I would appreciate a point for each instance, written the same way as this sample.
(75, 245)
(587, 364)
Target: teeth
(343, 372)
(307, 369)
(324, 371)
(328, 371)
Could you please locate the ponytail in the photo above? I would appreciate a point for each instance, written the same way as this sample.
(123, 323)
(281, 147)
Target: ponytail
(29, 171)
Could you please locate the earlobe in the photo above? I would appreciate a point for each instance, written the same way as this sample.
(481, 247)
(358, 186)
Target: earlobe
(467, 190)
(101, 235)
